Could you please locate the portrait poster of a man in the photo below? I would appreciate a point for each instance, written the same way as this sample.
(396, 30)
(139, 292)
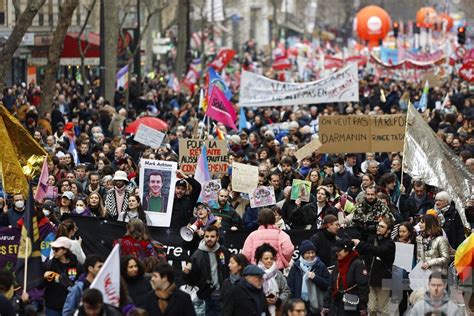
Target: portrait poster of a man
(157, 185)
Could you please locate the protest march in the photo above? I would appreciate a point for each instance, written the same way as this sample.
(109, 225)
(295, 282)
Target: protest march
(314, 177)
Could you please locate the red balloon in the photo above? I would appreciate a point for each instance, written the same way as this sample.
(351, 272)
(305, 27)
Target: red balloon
(426, 17)
(372, 23)
(445, 18)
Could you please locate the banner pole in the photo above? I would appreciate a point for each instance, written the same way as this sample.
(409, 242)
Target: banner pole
(201, 130)
(25, 275)
(405, 143)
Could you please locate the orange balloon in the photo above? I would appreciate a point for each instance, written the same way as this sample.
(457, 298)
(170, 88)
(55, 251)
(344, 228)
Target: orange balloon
(426, 17)
(445, 18)
(372, 24)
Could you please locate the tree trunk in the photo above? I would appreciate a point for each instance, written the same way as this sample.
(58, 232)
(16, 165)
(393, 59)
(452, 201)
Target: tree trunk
(182, 16)
(84, 51)
(66, 10)
(110, 45)
(15, 38)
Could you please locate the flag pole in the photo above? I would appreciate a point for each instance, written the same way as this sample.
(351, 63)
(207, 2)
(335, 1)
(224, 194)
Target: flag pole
(405, 143)
(27, 239)
(201, 130)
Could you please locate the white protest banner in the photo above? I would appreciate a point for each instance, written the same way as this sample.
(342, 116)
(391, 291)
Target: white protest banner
(157, 185)
(308, 149)
(244, 177)
(419, 277)
(107, 280)
(209, 190)
(341, 86)
(149, 136)
(404, 256)
(262, 196)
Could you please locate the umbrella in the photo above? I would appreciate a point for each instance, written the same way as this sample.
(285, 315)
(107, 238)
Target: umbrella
(149, 121)
(463, 260)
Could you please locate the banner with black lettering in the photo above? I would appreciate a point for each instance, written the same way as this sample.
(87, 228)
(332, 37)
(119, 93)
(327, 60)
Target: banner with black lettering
(340, 86)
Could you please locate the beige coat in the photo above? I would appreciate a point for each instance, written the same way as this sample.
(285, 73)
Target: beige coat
(436, 254)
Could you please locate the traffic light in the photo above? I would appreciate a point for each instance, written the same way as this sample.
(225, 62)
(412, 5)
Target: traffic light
(461, 35)
(395, 29)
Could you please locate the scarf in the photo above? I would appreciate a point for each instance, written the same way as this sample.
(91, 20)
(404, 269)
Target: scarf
(270, 285)
(120, 196)
(234, 278)
(344, 265)
(163, 297)
(306, 267)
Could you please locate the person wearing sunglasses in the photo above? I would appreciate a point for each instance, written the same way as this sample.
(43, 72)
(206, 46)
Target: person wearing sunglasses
(61, 272)
(379, 254)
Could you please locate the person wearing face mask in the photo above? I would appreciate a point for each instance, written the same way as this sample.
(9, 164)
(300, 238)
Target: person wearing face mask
(341, 176)
(116, 200)
(11, 216)
(81, 208)
(6, 294)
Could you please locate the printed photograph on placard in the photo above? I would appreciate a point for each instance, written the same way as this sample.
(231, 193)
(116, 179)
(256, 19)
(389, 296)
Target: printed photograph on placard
(301, 189)
(262, 196)
(157, 185)
(209, 190)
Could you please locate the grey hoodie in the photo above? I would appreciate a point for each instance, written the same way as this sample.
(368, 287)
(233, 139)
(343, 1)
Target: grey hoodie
(428, 305)
(213, 261)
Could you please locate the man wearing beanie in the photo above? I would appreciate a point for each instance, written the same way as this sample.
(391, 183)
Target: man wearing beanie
(325, 239)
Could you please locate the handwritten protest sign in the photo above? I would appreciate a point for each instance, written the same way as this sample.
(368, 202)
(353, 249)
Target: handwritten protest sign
(149, 136)
(341, 86)
(308, 149)
(244, 177)
(301, 189)
(210, 189)
(190, 149)
(262, 196)
(361, 133)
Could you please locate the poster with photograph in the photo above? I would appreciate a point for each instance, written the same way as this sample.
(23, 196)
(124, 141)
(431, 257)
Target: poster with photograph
(262, 196)
(157, 185)
(209, 190)
(301, 189)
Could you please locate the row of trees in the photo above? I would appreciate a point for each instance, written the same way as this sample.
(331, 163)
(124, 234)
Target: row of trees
(113, 30)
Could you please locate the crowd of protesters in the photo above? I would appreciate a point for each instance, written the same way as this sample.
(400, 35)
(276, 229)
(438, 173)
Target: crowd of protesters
(360, 205)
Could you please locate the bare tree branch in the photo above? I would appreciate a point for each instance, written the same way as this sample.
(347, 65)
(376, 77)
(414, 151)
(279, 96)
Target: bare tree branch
(83, 52)
(13, 42)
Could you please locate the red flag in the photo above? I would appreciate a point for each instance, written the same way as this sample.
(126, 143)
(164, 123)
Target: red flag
(281, 63)
(220, 109)
(224, 56)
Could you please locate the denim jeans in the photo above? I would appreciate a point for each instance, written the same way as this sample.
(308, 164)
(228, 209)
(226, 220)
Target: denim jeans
(52, 312)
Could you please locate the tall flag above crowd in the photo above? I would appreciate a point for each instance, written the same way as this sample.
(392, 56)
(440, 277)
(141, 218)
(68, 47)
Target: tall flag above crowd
(434, 163)
(29, 266)
(20, 154)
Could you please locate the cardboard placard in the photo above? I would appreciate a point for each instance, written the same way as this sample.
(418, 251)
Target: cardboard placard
(190, 149)
(262, 196)
(308, 149)
(244, 177)
(300, 189)
(149, 136)
(361, 133)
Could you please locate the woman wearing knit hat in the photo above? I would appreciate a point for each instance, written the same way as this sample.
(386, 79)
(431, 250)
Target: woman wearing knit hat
(309, 278)
(348, 292)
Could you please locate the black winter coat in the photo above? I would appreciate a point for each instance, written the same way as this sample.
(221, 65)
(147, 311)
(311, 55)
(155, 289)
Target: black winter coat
(324, 242)
(183, 207)
(453, 227)
(200, 274)
(356, 274)
(295, 277)
(308, 215)
(240, 301)
(138, 287)
(379, 254)
(179, 304)
(56, 292)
